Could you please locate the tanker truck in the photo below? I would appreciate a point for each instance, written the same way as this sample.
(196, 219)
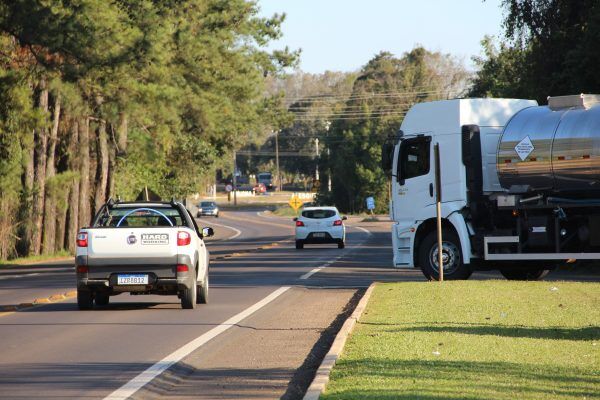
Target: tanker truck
(520, 185)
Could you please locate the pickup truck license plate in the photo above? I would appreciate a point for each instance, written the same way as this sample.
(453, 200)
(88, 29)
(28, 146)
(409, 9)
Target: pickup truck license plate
(319, 234)
(132, 279)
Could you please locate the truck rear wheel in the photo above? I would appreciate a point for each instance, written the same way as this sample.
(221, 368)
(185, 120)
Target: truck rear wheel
(85, 300)
(202, 296)
(188, 297)
(454, 268)
(526, 274)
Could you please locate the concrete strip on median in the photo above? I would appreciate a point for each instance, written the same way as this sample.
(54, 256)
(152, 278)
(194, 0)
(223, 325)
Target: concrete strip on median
(149, 374)
(322, 376)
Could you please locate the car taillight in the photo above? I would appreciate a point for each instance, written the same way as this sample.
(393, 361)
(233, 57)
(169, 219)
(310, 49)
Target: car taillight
(182, 268)
(299, 223)
(82, 269)
(82, 239)
(337, 223)
(183, 238)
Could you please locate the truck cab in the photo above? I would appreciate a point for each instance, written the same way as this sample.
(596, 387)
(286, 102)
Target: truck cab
(413, 203)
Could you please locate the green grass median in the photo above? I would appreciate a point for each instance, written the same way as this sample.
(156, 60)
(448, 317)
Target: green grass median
(474, 340)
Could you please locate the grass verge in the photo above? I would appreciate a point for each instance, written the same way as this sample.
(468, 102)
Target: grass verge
(36, 259)
(474, 340)
(285, 211)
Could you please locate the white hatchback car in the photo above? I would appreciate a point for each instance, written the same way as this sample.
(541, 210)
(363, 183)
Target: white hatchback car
(320, 225)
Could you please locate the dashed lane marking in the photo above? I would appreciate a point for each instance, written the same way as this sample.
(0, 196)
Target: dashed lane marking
(328, 263)
(135, 384)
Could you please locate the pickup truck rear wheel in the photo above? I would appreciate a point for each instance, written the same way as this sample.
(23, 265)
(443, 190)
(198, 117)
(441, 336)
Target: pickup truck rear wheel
(188, 297)
(454, 268)
(102, 299)
(202, 296)
(85, 300)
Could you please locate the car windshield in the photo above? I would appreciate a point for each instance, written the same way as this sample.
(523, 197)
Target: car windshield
(318, 214)
(138, 216)
(207, 204)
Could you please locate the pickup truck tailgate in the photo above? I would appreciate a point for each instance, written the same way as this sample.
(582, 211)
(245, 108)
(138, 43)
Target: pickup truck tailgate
(132, 246)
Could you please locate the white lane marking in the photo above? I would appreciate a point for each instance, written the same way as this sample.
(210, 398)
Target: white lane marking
(2, 277)
(368, 232)
(152, 372)
(18, 276)
(237, 231)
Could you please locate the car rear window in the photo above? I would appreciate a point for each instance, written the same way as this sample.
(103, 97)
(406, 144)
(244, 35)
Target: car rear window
(318, 214)
(127, 217)
(207, 204)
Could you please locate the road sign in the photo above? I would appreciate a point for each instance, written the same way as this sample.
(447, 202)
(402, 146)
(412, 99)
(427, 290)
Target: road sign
(370, 203)
(295, 203)
(228, 188)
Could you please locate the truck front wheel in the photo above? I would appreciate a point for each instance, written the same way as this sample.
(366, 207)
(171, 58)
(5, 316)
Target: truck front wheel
(454, 268)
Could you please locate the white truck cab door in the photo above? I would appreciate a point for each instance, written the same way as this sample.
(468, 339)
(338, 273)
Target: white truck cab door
(413, 184)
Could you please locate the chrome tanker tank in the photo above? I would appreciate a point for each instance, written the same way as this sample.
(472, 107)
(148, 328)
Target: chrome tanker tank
(554, 148)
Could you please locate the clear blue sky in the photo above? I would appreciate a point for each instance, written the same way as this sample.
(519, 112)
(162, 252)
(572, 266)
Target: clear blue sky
(342, 35)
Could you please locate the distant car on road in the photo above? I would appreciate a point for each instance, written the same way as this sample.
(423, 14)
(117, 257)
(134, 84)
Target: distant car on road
(266, 178)
(320, 225)
(260, 188)
(207, 208)
(142, 248)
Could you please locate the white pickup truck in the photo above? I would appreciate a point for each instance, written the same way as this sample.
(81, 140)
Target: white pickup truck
(142, 248)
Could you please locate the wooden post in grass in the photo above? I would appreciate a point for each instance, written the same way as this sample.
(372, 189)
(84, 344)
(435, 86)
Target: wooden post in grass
(438, 200)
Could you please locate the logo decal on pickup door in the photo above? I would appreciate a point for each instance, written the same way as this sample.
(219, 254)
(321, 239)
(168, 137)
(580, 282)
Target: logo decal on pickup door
(155, 238)
(131, 239)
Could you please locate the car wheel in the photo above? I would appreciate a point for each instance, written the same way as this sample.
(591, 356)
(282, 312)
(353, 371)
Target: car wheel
(454, 268)
(526, 274)
(85, 300)
(198, 215)
(217, 215)
(188, 297)
(102, 299)
(202, 296)
(341, 244)
(299, 244)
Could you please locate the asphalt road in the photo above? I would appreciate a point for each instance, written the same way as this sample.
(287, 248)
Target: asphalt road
(272, 314)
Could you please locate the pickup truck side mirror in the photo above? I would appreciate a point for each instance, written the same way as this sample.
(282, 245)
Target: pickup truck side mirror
(295, 219)
(208, 232)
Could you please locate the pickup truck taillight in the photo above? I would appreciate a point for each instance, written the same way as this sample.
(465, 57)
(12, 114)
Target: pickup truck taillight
(183, 238)
(337, 223)
(82, 239)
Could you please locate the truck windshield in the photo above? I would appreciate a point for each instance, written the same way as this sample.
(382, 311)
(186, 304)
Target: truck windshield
(137, 216)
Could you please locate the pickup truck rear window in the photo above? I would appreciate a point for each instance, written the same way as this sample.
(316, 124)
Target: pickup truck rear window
(124, 217)
(318, 214)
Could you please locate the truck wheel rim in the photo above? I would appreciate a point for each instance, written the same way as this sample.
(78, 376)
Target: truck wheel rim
(450, 257)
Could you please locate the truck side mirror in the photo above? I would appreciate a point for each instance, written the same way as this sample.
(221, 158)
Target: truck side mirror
(387, 157)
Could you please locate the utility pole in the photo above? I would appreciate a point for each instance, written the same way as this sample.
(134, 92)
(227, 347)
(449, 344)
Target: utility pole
(327, 125)
(277, 160)
(234, 180)
(317, 151)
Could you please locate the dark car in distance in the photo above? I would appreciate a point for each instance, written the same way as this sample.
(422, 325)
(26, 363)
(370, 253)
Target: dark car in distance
(209, 208)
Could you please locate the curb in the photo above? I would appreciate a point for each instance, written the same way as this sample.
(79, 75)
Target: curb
(55, 298)
(321, 378)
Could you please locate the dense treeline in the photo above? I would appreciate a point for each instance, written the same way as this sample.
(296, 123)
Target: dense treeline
(551, 49)
(352, 124)
(100, 98)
